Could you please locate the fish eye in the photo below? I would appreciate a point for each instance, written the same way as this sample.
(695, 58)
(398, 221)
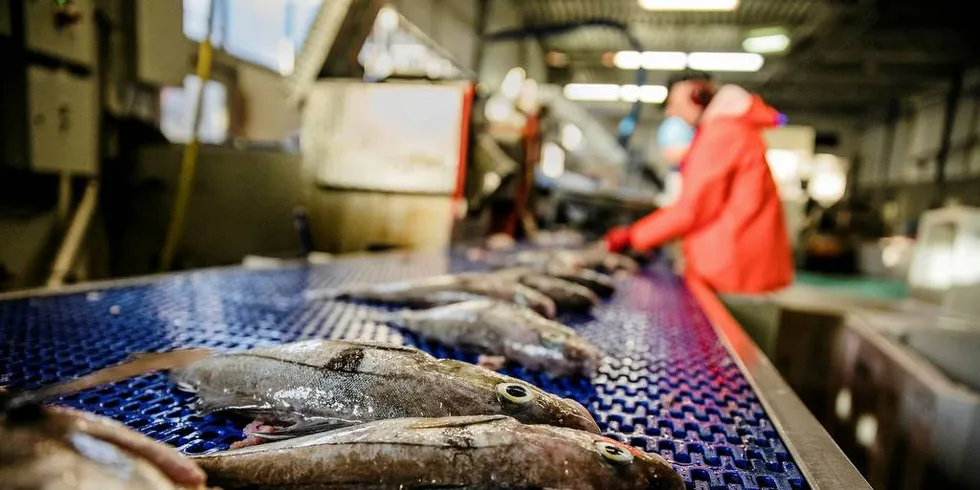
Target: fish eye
(614, 452)
(515, 393)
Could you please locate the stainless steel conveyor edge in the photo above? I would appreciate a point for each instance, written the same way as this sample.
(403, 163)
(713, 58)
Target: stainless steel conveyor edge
(818, 457)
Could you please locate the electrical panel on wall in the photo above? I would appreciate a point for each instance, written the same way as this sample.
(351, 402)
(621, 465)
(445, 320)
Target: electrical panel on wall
(61, 116)
(5, 27)
(163, 53)
(63, 30)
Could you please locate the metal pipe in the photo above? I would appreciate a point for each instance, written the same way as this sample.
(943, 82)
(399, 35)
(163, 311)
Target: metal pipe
(64, 196)
(188, 165)
(68, 251)
(945, 143)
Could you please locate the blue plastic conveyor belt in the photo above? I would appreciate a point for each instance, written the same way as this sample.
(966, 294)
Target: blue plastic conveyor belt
(668, 385)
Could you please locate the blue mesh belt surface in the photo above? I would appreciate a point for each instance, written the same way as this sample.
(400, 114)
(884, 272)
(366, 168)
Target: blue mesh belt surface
(668, 384)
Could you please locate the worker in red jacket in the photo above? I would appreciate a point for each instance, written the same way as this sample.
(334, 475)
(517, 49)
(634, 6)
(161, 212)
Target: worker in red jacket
(728, 214)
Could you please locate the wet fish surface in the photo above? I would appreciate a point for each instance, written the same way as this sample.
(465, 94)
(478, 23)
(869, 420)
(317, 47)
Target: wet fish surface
(455, 452)
(568, 296)
(315, 385)
(599, 283)
(498, 328)
(60, 448)
(444, 290)
(595, 259)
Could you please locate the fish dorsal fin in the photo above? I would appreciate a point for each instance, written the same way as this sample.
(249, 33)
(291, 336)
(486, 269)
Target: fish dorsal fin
(341, 355)
(464, 421)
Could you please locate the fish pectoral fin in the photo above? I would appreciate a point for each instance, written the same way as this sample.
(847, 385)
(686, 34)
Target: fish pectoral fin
(217, 402)
(306, 427)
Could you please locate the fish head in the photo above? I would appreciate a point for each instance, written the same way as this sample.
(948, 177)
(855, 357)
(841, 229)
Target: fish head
(532, 405)
(580, 356)
(630, 464)
(188, 378)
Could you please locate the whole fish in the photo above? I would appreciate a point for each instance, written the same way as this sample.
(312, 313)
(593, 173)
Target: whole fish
(598, 283)
(51, 447)
(589, 258)
(452, 452)
(503, 329)
(568, 296)
(313, 385)
(444, 290)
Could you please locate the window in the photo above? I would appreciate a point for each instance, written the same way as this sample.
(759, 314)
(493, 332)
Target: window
(176, 115)
(268, 33)
(392, 49)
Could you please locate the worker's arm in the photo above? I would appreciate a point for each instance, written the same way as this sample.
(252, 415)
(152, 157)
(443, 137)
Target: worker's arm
(704, 190)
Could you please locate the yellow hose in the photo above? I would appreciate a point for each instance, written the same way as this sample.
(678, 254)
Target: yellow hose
(188, 164)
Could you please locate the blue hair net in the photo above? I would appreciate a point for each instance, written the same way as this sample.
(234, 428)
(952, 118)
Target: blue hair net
(674, 131)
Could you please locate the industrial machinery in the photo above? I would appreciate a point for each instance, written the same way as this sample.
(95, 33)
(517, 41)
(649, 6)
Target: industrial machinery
(906, 404)
(944, 268)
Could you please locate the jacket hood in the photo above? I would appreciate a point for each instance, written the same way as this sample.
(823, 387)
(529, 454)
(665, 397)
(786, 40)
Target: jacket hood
(734, 102)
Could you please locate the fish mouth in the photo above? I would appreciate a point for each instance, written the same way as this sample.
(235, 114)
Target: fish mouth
(583, 418)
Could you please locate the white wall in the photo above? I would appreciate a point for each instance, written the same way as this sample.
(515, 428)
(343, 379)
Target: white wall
(267, 116)
(916, 136)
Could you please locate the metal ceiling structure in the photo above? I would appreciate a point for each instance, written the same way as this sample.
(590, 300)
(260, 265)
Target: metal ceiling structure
(846, 55)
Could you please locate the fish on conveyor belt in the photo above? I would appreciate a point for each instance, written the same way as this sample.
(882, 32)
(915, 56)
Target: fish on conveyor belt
(502, 329)
(597, 282)
(60, 448)
(601, 284)
(313, 385)
(591, 258)
(569, 296)
(453, 452)
(449, 289)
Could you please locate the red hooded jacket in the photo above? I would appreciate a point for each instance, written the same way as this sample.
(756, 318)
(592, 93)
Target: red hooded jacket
(728, 213)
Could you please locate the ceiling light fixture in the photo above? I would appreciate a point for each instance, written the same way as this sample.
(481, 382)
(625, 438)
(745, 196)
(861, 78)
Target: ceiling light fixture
(692, 5)
(767, 40)
(599, 92)
(627, 60)
(650, 60)
(664, 60)
(744, 62)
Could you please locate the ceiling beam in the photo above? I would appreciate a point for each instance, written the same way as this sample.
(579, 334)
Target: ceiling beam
(825, 30)
(812, 76)
(892, 57)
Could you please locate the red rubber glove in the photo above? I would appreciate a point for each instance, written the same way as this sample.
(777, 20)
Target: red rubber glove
(618, 239)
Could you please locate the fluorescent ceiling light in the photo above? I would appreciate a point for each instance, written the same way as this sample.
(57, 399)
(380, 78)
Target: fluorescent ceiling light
(767, 40)
(696, 5)
(650, 60)
(725, 61)
(664, 60)
(653, 94)
(627, 60)
(592, 91)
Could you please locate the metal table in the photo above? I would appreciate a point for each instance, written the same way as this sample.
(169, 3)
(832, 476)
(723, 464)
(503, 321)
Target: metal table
(675, 382)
